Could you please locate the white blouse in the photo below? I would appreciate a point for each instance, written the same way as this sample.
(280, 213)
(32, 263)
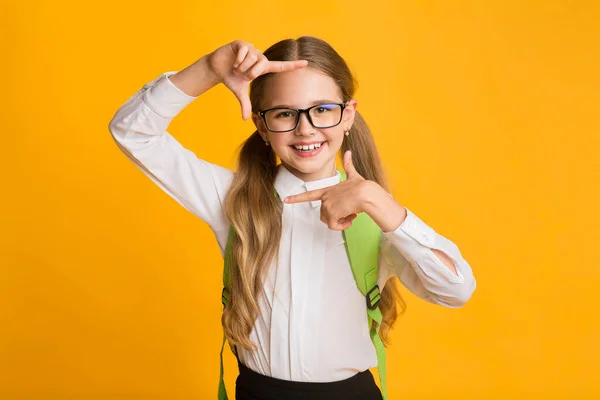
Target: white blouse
(312, 325)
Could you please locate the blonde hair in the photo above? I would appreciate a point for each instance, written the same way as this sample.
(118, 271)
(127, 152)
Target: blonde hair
(255, 212)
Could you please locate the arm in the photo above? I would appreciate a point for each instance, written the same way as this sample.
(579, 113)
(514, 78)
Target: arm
(139, 130)
(387, 213)
(409, 247)
(428, 264)
(410, 252)
(139, 127)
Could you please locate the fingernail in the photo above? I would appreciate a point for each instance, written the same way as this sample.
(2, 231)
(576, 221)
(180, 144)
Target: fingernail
(285, 199)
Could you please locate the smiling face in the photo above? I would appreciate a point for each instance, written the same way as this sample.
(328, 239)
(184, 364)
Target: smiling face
(302, 89)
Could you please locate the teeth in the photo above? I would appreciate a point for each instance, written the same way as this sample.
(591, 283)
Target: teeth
(308, 148)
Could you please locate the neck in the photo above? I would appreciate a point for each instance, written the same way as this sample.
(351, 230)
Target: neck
(326, 172)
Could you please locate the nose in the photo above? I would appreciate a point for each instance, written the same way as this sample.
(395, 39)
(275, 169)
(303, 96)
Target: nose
(304, 127)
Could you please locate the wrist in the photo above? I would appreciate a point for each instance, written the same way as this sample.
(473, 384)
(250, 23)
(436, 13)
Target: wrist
(372, 194)
(204, 68)
(196, 78)
(382, 208)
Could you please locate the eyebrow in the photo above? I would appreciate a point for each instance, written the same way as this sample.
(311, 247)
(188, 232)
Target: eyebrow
(314, 103)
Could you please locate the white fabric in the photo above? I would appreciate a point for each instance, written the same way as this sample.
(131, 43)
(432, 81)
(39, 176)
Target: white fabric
(312, 325)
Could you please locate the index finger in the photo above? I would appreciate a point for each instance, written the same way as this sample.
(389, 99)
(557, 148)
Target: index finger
(307, 196)
(281, 66)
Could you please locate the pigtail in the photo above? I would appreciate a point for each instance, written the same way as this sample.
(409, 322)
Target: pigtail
(365, 158)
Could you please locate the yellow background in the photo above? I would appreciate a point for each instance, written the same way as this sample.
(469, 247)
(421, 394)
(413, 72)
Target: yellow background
(486, 115)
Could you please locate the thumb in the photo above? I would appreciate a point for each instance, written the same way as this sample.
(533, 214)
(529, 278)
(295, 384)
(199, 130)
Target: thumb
(244, 100)
(348, 165)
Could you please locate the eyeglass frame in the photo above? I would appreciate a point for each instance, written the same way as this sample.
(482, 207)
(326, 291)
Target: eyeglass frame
(299, 112)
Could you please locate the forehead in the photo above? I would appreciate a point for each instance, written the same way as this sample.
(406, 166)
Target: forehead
(299, 88)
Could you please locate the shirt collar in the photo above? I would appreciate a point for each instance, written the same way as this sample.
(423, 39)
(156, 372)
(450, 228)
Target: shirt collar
(288, 184)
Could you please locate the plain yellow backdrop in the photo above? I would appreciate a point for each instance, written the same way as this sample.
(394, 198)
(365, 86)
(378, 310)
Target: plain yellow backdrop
(486, 116)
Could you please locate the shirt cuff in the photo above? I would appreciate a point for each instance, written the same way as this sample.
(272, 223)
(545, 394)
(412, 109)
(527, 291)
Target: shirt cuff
(415, 228)
(166, 99)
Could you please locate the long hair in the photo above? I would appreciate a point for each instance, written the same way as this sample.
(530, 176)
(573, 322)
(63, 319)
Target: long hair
(255, 212)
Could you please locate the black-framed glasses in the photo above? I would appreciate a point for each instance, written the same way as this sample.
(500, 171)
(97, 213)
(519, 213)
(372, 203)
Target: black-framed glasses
(325, 115)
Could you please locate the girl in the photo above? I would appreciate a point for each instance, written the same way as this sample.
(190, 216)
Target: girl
(295, 317)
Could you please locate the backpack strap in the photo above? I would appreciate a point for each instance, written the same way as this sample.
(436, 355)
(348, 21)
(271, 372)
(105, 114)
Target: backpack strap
(222, 394)
(362, 245)
(361, 240)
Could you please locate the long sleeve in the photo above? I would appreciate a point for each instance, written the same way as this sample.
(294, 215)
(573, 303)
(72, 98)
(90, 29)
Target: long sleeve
(407, 253)
(139, 130)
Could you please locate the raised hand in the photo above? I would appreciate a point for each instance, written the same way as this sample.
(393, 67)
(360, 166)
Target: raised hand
(340, 203)
(236, 64)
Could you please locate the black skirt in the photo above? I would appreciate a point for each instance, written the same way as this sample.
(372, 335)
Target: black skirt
(251, 385)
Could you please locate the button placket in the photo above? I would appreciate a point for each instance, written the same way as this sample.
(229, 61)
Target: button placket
(302, 253)
(280, 353)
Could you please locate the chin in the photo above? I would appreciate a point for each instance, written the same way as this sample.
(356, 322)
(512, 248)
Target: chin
(309, 167)
(301, 166)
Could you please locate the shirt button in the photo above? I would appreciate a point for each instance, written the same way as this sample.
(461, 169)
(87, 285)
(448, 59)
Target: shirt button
(425, 238)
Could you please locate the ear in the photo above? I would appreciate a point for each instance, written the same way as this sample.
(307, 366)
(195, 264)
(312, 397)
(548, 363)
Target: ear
(350, 112)
(260, 126)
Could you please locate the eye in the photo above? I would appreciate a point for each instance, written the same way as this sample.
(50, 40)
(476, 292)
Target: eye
(323, 108)
(284, 114)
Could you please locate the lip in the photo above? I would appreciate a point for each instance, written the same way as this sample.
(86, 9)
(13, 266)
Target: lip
(308, 154)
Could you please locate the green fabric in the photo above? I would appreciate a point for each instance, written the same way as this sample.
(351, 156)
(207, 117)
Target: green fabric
(222, 394)
(362, 245)
(375, 315)
(222, 391)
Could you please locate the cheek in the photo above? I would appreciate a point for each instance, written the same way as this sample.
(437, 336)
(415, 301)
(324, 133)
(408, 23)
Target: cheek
(335, 139)
(278, 142)
(280, 146)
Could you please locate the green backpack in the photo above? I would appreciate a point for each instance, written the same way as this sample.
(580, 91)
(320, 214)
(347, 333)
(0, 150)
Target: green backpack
(362, 245)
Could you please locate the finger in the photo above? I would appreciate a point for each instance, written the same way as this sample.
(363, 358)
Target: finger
(323, 217)
(244, 100)
(348, 165)
(241, 54)
(249, 61)
(257, 69)
(343, 226)
(307, 196)
(340, 225)
(350, 218)
(281, 66)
